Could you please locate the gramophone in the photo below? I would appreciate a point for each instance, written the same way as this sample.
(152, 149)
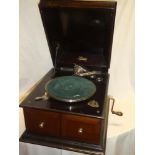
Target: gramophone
(69, 108)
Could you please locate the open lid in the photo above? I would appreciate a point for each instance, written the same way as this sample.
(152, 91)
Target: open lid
(79, 28)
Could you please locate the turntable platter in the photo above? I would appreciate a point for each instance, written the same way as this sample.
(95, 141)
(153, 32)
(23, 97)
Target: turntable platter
(70, 88)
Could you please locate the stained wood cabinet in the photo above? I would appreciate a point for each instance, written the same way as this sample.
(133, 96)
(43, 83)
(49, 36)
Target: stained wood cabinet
(67, 126)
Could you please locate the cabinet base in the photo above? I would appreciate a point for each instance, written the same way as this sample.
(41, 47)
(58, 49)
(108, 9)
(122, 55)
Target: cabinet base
(62, 144)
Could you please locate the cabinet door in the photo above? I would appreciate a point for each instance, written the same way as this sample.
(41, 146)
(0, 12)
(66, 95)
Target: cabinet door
(81, 128)
(42, 122)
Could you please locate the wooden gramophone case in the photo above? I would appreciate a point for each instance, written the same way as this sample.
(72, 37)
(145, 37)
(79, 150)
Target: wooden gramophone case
(78, 32)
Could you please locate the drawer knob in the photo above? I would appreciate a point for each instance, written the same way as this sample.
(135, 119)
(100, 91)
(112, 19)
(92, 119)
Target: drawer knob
(80, 130)
(41, 125)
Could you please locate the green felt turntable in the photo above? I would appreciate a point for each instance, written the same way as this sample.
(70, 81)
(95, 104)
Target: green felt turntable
(70, 88)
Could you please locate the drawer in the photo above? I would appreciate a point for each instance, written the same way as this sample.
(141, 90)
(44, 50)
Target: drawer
(81, 128)
(42, 122)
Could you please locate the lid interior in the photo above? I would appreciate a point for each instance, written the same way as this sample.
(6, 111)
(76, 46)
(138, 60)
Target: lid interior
(79, 31)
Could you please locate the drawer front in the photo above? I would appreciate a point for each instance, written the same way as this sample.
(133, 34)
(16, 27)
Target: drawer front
(42, 122)
(81, 128)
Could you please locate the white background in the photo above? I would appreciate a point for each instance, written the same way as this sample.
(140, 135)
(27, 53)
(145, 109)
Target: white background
(145, 76)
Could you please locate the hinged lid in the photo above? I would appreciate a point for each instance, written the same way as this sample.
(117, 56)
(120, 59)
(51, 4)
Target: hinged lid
(79, 31)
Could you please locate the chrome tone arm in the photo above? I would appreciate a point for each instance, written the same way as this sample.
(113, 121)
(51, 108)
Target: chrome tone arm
(80, 71)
